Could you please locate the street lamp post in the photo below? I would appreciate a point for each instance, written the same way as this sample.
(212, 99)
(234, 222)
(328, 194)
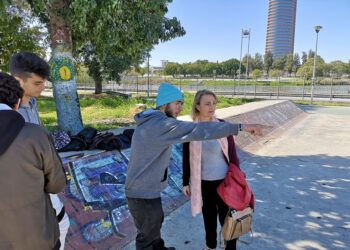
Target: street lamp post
(245, 33)
(214, 75)
(240, 60)
(246, 70)
(317, 29)
(148, 75)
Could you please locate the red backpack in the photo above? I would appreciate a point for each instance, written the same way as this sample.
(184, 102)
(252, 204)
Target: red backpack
(235, 191)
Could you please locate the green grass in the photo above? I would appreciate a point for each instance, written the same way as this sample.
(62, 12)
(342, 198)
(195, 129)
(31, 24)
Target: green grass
(240, 82)
(107, 112)
(323, 103)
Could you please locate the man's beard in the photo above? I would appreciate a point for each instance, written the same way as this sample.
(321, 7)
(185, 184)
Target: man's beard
(169, 113)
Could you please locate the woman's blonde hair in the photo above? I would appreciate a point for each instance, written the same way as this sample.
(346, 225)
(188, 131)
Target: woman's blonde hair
(197, 100)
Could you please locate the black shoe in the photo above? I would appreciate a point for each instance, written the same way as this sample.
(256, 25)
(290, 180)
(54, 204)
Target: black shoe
(169, 248)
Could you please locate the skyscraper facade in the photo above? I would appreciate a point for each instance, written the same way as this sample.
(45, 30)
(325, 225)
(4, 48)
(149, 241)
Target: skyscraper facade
(281, 27)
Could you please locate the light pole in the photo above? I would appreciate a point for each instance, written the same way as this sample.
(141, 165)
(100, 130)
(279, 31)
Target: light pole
(148, 74)
(246, 70)
(244, 33)
(214, 75)
(317, 29)
(240, 58)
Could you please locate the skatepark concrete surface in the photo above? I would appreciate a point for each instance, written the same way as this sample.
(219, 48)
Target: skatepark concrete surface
(300, 175)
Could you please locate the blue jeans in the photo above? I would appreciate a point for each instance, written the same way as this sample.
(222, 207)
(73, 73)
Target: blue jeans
(148, 217)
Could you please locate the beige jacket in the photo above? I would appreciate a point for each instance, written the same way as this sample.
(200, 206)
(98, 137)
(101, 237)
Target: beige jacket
(29, 169)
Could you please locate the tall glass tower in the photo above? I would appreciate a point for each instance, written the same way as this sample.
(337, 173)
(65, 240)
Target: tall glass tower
(281, 27)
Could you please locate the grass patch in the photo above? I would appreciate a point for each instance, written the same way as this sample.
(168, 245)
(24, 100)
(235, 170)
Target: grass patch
(241, 82)
(107, 112)
(347, 104)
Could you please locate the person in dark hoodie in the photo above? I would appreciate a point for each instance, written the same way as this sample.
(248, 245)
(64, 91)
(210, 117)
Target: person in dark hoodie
(30, 169)
(147, 173)
(32, 72)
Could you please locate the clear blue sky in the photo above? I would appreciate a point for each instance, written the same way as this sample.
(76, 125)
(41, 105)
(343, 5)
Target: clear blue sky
(213, 29)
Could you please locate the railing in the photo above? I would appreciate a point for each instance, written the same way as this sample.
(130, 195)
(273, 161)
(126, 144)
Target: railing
(327, 89)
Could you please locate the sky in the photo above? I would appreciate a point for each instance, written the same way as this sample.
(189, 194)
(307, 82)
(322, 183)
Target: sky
(213, 30)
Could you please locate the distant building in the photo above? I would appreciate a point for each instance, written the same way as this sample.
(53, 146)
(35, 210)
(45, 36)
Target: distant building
(164, 63)
(281, 27)
(156, 70)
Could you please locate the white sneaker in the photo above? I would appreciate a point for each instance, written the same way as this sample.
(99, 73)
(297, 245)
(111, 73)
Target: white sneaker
(222, 243)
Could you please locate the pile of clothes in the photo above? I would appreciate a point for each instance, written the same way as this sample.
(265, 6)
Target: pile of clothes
(90, 138)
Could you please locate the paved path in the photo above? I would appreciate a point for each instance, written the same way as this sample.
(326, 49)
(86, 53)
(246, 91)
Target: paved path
(301, 182)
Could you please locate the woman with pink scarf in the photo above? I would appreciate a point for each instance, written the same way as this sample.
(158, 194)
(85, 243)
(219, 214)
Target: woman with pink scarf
(206, 163)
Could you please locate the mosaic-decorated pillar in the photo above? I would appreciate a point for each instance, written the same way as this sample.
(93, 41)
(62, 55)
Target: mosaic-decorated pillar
(65, 91)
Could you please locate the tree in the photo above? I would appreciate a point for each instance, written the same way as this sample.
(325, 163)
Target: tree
(140, 70)
(289, 64)
(171, 69)
(250, 63)
(311, 54)
(230, 67)
(212, 67)
(115, 27)
(303, 57)
(279, 63)
(18, 32)
(348, 67)
(109, 68)
(296, 63)
(258, 62)
(306, 69)
(257, 73)
(184, 69)
(275, 73)
(338, 67)
(268, 61)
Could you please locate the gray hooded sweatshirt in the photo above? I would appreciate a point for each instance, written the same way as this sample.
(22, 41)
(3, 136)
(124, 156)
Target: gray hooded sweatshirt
(151, 148)
(30, 112)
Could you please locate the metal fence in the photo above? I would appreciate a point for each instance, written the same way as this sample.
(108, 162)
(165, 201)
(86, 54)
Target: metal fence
(326, 89)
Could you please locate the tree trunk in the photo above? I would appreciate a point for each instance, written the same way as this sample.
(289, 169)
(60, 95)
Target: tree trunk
(98, 86)
(62, 71)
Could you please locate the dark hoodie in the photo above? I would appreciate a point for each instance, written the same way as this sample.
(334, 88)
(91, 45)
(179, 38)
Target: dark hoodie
(151, 148)
(10, 126)
(29, 169)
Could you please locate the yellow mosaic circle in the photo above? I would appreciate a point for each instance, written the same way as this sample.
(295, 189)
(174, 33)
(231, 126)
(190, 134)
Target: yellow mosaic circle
(65, 73)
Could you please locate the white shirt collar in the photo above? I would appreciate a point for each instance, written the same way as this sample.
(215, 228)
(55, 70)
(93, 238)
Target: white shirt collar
(4, 106)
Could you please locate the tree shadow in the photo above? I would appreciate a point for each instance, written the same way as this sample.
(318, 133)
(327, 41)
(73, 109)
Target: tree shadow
(301, 201)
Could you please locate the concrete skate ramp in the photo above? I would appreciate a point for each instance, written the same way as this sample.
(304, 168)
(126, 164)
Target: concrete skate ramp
(280, 114)
(94, 197)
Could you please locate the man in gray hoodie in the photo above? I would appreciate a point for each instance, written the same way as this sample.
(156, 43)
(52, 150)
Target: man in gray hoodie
(32, 72)
(156, 131)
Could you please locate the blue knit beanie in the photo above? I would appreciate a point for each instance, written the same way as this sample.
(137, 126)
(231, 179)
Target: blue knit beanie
(168, 93)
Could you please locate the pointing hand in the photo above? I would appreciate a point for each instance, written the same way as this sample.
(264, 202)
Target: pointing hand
(255, 129)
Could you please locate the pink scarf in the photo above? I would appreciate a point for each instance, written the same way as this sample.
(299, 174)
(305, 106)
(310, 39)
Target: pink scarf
(196, 169)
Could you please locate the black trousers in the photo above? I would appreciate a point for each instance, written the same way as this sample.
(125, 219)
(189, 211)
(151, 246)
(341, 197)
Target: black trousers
(213, 206)
(148, 217)
(57, 245)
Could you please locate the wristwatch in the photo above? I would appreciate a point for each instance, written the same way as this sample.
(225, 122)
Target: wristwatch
(240, 127)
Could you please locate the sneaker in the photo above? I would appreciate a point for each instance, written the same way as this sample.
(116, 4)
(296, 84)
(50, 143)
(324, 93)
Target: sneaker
(222, 243)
